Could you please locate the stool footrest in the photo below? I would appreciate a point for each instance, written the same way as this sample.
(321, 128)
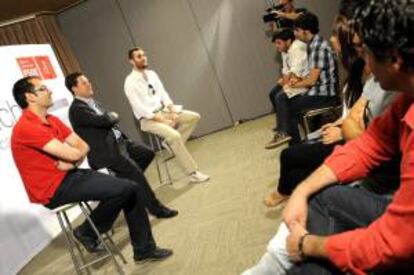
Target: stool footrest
(78, 258)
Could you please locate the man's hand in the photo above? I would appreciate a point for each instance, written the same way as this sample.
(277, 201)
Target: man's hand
(164, 119)
(171, 108)
(113, 115)
(327, 125)
(173, 117)
(331, 135)
(296, 210)
(276, 13)
(64, 166)
(292, 242)
(170, 123)
(292, 82)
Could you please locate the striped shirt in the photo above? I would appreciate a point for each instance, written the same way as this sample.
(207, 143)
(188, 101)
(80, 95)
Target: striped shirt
(321, 56)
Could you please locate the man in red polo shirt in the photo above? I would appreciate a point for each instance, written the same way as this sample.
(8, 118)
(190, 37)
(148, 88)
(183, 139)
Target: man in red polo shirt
(47, 153)
(366, 232)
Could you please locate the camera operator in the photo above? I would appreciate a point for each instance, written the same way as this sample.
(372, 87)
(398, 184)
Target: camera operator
(282, 15)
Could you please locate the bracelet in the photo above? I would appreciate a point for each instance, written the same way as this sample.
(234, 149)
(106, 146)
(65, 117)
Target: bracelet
(301, 241)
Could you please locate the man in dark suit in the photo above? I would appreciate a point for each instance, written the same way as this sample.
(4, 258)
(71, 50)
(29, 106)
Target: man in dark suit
(109, 147)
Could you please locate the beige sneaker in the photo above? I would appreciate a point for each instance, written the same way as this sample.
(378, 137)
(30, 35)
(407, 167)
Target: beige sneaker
(198, 177)
(277, 140)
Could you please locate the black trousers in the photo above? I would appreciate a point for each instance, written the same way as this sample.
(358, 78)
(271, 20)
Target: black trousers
(114, 194)
(132, 161)
(289, 111)
(298, 161)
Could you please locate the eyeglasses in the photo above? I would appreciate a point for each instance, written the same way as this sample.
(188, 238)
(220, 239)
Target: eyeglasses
(42, 88)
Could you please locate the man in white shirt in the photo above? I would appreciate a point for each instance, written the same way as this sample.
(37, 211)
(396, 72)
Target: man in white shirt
(295, 66)
(157, 114)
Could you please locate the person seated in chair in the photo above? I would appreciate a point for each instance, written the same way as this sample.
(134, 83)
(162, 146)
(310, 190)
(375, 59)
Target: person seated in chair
(157, 114)
(322, 80)
(109, 147)
(47, 153)
(330, 228)
(294, 66)
(363, 100)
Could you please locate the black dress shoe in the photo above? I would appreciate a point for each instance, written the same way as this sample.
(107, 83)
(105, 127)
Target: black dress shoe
(157, 254)
(91, 244)
(165, 213)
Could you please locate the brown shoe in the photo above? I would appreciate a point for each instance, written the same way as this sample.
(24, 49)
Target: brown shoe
(274, 199)
(277, 140)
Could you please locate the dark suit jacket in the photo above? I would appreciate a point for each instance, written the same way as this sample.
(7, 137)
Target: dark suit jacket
(96, 130)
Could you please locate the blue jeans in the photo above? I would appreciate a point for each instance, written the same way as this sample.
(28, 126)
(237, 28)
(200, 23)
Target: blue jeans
(335, 210)
(289, 111)
(280, 104)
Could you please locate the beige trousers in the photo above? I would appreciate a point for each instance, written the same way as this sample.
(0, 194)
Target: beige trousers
(176, 138)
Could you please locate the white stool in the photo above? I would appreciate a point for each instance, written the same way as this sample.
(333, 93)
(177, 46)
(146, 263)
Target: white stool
(79, 260)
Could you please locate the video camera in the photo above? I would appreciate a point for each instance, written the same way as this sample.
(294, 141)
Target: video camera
(270, 16)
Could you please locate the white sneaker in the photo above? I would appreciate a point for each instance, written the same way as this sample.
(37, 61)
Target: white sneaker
(198, 177)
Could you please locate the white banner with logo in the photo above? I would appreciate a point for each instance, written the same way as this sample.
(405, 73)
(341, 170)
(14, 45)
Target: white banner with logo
(25, 228)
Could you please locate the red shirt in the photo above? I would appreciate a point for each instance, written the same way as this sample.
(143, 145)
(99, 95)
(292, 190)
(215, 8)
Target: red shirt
(37, 169)
(390, 239)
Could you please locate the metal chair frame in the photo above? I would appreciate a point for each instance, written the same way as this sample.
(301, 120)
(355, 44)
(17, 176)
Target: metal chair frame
(315, 112)
(161, 159)
(79, 261)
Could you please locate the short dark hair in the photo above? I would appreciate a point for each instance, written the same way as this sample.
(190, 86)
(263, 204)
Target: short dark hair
(72, 80)
(308, 21)
(21, 87)
(284, 34)
(387, 26)
(131, 52)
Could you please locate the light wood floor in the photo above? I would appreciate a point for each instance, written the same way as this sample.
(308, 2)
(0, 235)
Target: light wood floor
(222, 228)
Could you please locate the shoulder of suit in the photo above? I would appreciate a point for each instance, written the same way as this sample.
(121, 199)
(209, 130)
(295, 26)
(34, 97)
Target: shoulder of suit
(76, 104)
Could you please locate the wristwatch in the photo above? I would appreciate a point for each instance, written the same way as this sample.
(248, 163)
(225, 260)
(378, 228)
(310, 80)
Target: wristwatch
(301, 241)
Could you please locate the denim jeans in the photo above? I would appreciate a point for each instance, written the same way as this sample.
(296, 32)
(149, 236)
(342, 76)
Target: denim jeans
(335, 210)
(280, 104)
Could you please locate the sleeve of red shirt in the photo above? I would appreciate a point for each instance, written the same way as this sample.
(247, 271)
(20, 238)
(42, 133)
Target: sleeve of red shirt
(389, 239)
(63, 128)
(386, 241)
